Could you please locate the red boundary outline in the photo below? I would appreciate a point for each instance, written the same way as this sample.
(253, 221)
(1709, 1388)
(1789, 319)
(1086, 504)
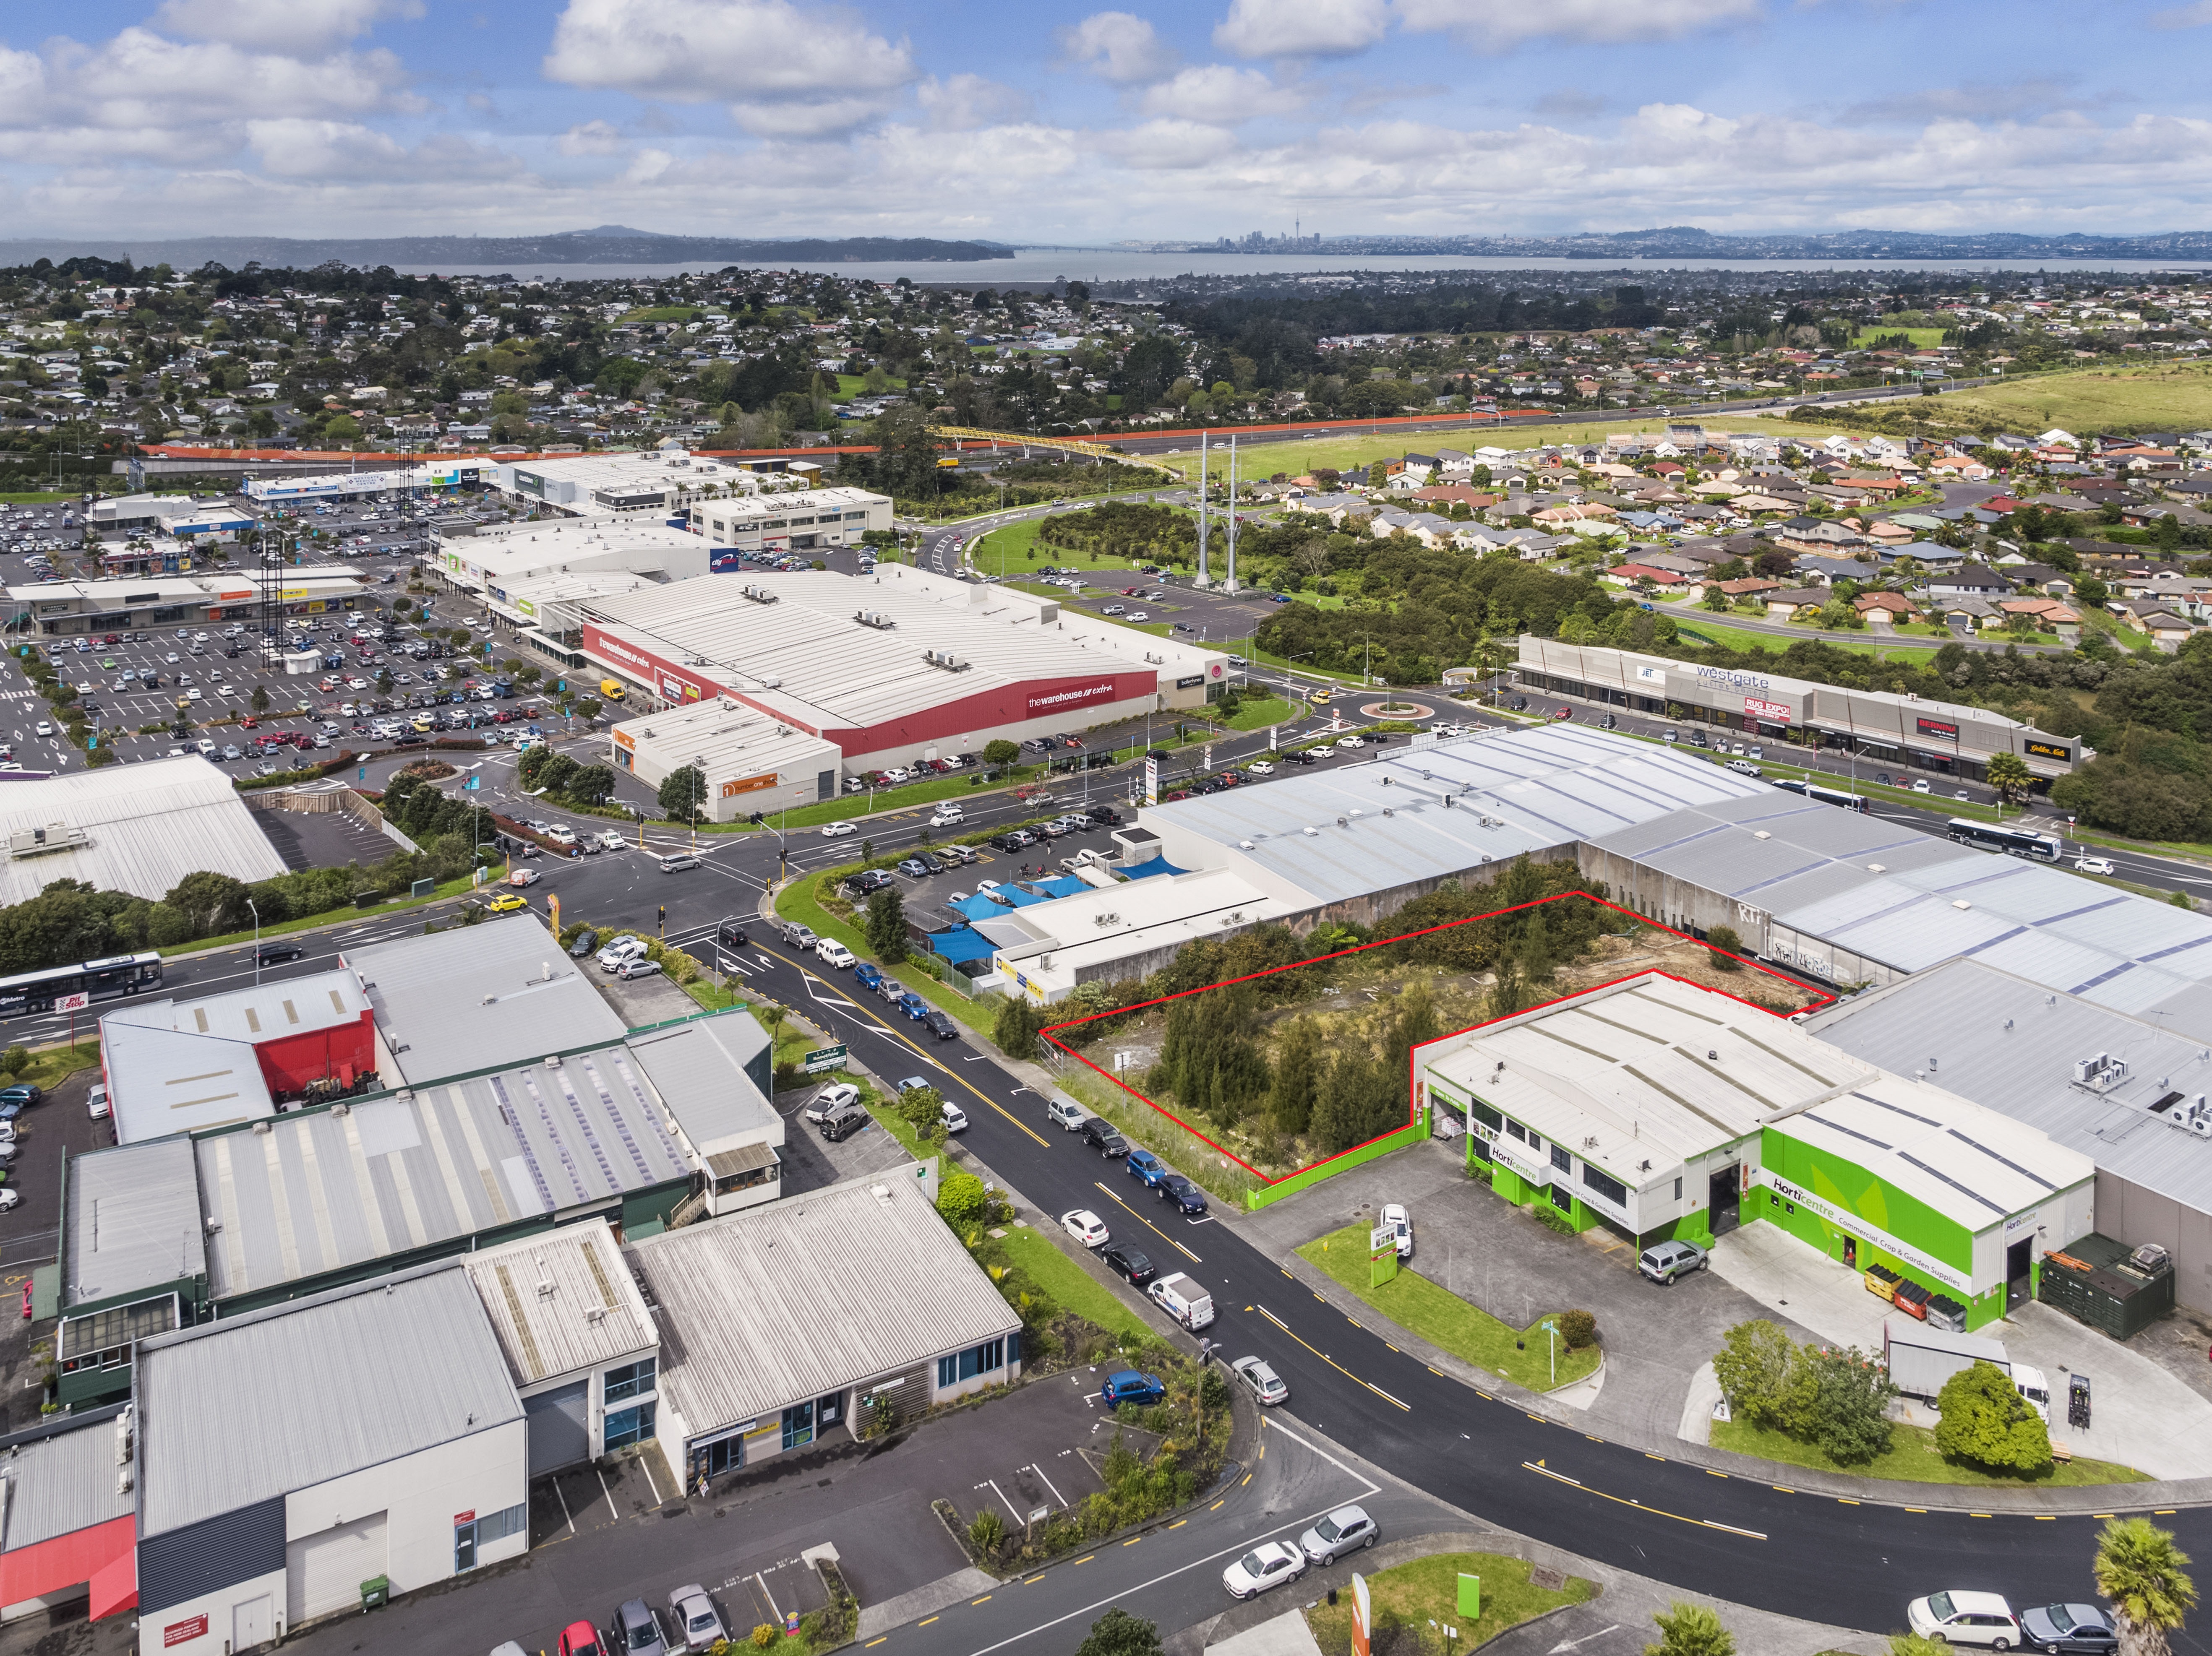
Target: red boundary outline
(1824, 998)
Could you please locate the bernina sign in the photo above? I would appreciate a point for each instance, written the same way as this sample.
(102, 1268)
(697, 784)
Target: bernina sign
(1053, 700)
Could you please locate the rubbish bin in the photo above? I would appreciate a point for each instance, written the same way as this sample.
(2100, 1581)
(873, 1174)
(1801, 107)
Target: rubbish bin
(375, 1593)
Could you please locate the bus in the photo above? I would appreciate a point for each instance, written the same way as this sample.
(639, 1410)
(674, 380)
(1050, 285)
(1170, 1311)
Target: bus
(96, 980)
(2012, 841)
(1825, 796)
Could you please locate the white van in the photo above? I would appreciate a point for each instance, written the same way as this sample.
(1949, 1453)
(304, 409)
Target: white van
(560, 835)
(672, 861)
(1183, 1299)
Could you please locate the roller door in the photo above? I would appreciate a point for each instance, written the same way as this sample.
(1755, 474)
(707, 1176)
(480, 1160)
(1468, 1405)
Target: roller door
(560, 1426)
(323, 1572)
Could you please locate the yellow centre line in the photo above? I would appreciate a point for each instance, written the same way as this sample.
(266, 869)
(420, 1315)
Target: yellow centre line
(1085, 1559)
(1334, 1363)
(1116, 1196)
(924, 1625)
(1133, 1540)
(985, 1599)
(1179, 1523)
(1656, 1511)
(872, 1643)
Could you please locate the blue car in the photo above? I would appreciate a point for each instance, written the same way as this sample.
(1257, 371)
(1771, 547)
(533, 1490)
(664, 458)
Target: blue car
(913, 1006)
(1143, 1165)
(868, 976)
(1129, 1386)
(1187, 1196)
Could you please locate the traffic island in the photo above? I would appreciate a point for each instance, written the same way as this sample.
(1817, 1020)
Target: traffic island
(1410, 1603)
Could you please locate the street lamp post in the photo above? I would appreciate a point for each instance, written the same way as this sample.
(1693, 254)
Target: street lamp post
(256, 913)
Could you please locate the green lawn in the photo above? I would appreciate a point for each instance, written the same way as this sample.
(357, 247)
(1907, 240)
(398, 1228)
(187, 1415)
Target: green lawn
(663, 313)
(1912, 1459)
(1071, 1287)
(1922, 338)
(1442, 1318)
(1737, 638)
(50, 1065)
(1423, 1591)
(46, 498)
(850, 386)
(1260, 714)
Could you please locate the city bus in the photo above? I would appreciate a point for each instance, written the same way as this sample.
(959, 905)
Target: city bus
(1825, 795)
(2012, 841)
(96, 980)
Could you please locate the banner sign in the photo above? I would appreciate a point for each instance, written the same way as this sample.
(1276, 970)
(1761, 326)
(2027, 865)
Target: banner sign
(1940, 727)
(1773, 712)
(1949, 1275)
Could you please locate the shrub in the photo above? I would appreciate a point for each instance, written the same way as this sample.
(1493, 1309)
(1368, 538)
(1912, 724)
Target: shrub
(762, 1636)
(986, 1531)
(1551, 1219)
(1579, 1329)
(1987, 1422)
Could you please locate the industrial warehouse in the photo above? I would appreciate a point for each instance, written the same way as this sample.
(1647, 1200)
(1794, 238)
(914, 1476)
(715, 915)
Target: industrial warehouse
(1664, 1110)
(883, 671)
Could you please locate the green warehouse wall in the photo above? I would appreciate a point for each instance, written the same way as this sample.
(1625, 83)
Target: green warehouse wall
(1851, 1188)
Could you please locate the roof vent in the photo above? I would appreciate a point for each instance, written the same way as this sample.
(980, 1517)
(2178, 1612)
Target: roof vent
(1245, 844)
(1344, 822)
(552, 1060)
(1961, 903)
(1877, 868)
(1760, 833)
(1312, 832)
(264, 1127)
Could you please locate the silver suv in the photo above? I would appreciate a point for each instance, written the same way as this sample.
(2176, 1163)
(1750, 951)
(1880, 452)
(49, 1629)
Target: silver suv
(1662, 1262)
(802, 936)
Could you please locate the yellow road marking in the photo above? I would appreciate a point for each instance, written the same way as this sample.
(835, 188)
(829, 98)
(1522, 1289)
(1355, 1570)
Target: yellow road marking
(1113, 1195)
(872, 1643)
(1845, 1500)
(1085, 1559)
(985, 1599)
(1657, 1511)
(1247, 1478)
(924, 1625)
(1334, 1363)
(1217, 1505)
(1133, 1540)
(1179, 1523)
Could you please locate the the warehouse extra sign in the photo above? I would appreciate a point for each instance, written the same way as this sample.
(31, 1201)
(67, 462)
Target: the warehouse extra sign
(1852, 1223)
(1053, 700)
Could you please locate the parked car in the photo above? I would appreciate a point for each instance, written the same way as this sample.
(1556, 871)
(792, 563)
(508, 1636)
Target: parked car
(939, 1025)
(913, 1006)
(1086, 1227)
(1065, 1113)
(1339, 1532)
(1145, 1166)
(1265, 1385)
(1267, 1565)
(1400, 1224)
(620, 949)
(2068, 1628)
(831, 952)
(1260, 768)
(579, 1639)
(831, 1099)
(1187, 1196)
(867, 974)
(637, 967)
(95, 1101)
(955, 1118)
(799, 935)
(1980, 1619)
(1662, 1262)
(1128, 1386)
(695, 1619)
(1103, 1137)
(843, 1122)
(1130, 1262)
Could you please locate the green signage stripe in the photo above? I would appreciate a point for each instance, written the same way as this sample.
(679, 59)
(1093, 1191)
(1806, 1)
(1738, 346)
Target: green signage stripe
(1721, 1127)
(1715, 1071)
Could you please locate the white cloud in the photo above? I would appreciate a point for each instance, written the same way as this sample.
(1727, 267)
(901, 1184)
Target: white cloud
(1119, 46)
(961, 103)
(781, 71)
(340, 151)
(1499, 24)
(592, 138)
(1219, 93)
(1171, 145)
(1301, 29)
(2196, 15)
(298, 28)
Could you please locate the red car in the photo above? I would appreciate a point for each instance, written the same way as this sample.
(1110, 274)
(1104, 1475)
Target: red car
(248, 722)
(579, 1639)
(1565, 713)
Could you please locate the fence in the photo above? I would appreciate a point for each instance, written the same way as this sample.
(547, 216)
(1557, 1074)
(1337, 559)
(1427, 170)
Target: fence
(1412, 1133)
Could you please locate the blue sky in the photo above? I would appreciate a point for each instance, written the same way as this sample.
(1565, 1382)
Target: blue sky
(1064, 123)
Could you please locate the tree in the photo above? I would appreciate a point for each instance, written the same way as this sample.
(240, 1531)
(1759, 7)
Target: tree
(1752, 1369)
(211, 903)
(1726, 946)
(261, 698)
(683, 795)
(1688, 1629)
(2009, 776)
(1117, 1633)
(1000, 752)
(924, 1110)
(1850, 1395)
(1291, 1100)
(2139, 1569)
(1988, 1423)
(886, 925)
(1015, 1027)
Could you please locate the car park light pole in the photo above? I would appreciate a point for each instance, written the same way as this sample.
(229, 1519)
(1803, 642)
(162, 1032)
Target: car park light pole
(256, 913)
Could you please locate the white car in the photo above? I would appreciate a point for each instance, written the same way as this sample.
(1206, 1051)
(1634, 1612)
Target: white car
(1260, 768)
(1340, 1532)
(616, 953)
(829, 1100)
(9, 1197)
(1965, 1618)
(945, 815)
(1921, 786)
(42, 728)
(1265, 1384)
(837, 830)
(695, 1622)
(2093, 864)
(1400, 1224)
(831, 952)
(1350, 742)
(956, 1119)
(95, 1101)
(1086, 1227)
(1267, 1565)
(897, 774)
(1138, 615)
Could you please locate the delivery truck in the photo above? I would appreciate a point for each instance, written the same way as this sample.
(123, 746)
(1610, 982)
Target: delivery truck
(1920, 1359)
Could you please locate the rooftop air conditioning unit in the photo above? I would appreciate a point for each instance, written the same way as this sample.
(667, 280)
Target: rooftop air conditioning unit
(2101, 1073)
(875, 618)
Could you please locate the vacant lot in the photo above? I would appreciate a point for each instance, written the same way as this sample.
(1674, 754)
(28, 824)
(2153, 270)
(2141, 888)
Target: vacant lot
(1299, 456)
(2176, 396)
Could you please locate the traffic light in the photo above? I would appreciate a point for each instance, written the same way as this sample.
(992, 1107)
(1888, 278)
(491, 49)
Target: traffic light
(755, 819)
(663, 920)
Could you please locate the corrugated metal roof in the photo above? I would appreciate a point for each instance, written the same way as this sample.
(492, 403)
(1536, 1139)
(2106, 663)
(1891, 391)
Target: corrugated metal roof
(2011, 1044)
(1536, 788)
(62, 1483)
(698, 1069)
(164, 1081)
(481, 997)
(1912, 899)
(561, 1303)
(836, 1288)
(338, 1382)
(320, 1190)
(150, 823)
(133, 1220)
(282, 1006)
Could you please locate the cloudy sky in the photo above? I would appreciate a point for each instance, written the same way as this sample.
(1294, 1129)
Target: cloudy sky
(1051, 122)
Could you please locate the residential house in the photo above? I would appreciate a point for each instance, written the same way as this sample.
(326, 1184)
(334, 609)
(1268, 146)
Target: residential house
(1826, 571)
(2168, 630)
(1962, 466)
(1969, 580)
(1444, 494)
(1818, 536)
(1749, 587)
(1796, 605)
(2048, 614)
(1666, 580)
(1885, 609)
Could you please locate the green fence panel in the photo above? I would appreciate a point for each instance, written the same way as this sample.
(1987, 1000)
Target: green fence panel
(1412, 1133)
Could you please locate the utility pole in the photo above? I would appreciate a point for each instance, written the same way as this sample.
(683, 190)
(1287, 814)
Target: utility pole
(1202, 510)
(1230, 585)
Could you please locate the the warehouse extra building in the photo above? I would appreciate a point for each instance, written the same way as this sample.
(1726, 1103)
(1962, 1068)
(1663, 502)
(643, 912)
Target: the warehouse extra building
(886, 669)
(1662, 1110)
(1937, 736)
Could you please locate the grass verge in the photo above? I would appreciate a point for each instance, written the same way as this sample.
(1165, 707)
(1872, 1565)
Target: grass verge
(1423, 1592)
(1142, 1125)
(1912, 1459)
(1260, 714)
(50, 1065)
(1443, 1320)
(1071, 1287)
(1737, 638)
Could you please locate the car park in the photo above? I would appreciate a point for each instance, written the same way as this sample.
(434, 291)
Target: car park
(1259, 767)
(1662, 1262)
(1085, 1227)
(1131, 1385)
(1978, 1620)
(694, 1620)
(1265, 1385)
(1267, 1565)
(622, 949)
(1103, 1137)
(579, 1639)
(582, 945)
(843, 1122)
(835, 1097)
(1337, 1533)
(95, 1102)
(637, 1630)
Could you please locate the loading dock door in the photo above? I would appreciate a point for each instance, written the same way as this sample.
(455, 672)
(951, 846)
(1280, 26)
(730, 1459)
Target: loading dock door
(1722, 1197)
(560, 1426)
(2019, 1269)
(323, 1572)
